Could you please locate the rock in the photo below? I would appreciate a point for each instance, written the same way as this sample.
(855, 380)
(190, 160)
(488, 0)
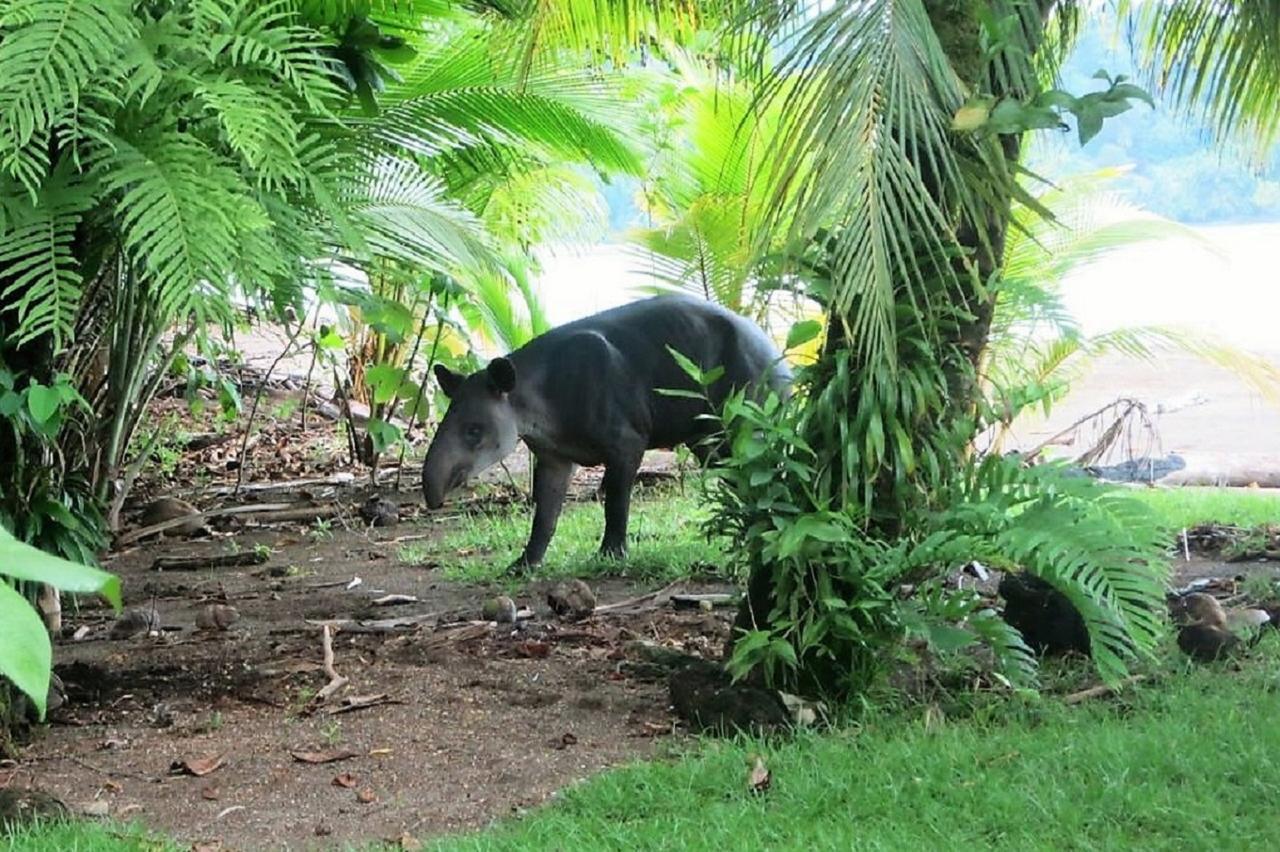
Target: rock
(704, 695)
(217, 617)
(24, 709)
(1046, 619)
(652, 652)
(500, 609)
(380, 512)
(19, 808)
(168, 509)
(57, 695)
(1206, 644)
(572, 600)
(135, 622)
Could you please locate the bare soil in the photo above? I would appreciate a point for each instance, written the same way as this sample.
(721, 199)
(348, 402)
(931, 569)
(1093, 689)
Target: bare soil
(486, 720)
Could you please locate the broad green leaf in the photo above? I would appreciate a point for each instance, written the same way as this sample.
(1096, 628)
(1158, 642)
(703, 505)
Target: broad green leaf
(385, 380)
(24, 562)
(384, 434)
(802, 332)
(42, 402)
(25, 654)
(10, 402)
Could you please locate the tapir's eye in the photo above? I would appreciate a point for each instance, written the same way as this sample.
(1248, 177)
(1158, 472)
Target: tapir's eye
(473, 433)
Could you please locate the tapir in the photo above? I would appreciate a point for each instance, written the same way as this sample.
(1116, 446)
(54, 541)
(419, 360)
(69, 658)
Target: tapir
(586, 393)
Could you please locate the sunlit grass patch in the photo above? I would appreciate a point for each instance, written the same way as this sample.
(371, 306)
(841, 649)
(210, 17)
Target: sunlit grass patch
(664, 541)
(1189, 506)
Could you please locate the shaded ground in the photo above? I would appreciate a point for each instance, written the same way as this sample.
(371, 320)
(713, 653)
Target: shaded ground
(487, 720)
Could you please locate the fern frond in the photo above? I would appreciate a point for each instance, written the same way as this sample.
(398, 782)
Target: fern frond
(41, 273)
(180, 214)
(49, 51)
(269, 36)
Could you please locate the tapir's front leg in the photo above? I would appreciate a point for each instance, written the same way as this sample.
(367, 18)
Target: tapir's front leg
(551, 477)
(619, 477)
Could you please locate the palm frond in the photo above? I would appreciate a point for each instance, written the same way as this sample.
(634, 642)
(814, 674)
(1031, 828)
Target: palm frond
(439, 122)
(1221, 57)
(406, 216)
(870, 110)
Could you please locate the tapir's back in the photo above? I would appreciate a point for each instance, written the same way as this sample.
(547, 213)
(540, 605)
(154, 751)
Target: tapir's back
(599, 376)
(641, 332)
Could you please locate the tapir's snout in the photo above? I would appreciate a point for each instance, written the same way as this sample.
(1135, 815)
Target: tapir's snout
(437, 484)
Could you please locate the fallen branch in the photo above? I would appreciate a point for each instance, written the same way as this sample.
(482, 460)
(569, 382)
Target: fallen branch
(1101, 690)
(336, 681)
(361, 702)
(306, 513)
(129, 538)
(697, 601)
(218, 560)
(652, 600)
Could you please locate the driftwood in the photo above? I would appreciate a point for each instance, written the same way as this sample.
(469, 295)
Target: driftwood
(217, 560)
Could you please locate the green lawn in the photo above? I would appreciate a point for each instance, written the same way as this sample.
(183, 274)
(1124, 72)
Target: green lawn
(1186, 764)
(1187, 507)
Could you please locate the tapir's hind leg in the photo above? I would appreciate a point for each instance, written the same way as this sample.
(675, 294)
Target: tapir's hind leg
(619, 477)
(550, 485)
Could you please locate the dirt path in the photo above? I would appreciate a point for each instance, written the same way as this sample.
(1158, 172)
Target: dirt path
(481, 727)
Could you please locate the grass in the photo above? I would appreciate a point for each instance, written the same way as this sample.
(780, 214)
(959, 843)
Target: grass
(1184, 764)
(1188, 507)
(664, 541)
(84, 837)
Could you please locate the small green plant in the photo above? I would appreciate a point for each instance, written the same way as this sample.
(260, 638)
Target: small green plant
(413, 553)
(212, 722)
(321, 529)
(262, 551)
(285, 410)
(332, 733)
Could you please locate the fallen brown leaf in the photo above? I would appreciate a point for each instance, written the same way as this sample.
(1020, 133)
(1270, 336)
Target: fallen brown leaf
(406, 842)
(760, 777)
(324, 756)
(206, 846)
(197, 766)
(210, 793)
(533, 649)
(346, 779)
(366, 797)
(112, 786)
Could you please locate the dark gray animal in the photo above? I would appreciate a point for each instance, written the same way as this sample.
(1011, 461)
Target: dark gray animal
(584, 394)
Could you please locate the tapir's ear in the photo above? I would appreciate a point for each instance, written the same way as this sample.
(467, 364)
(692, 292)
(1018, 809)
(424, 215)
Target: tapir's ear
(448, 379)
(502, 374)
